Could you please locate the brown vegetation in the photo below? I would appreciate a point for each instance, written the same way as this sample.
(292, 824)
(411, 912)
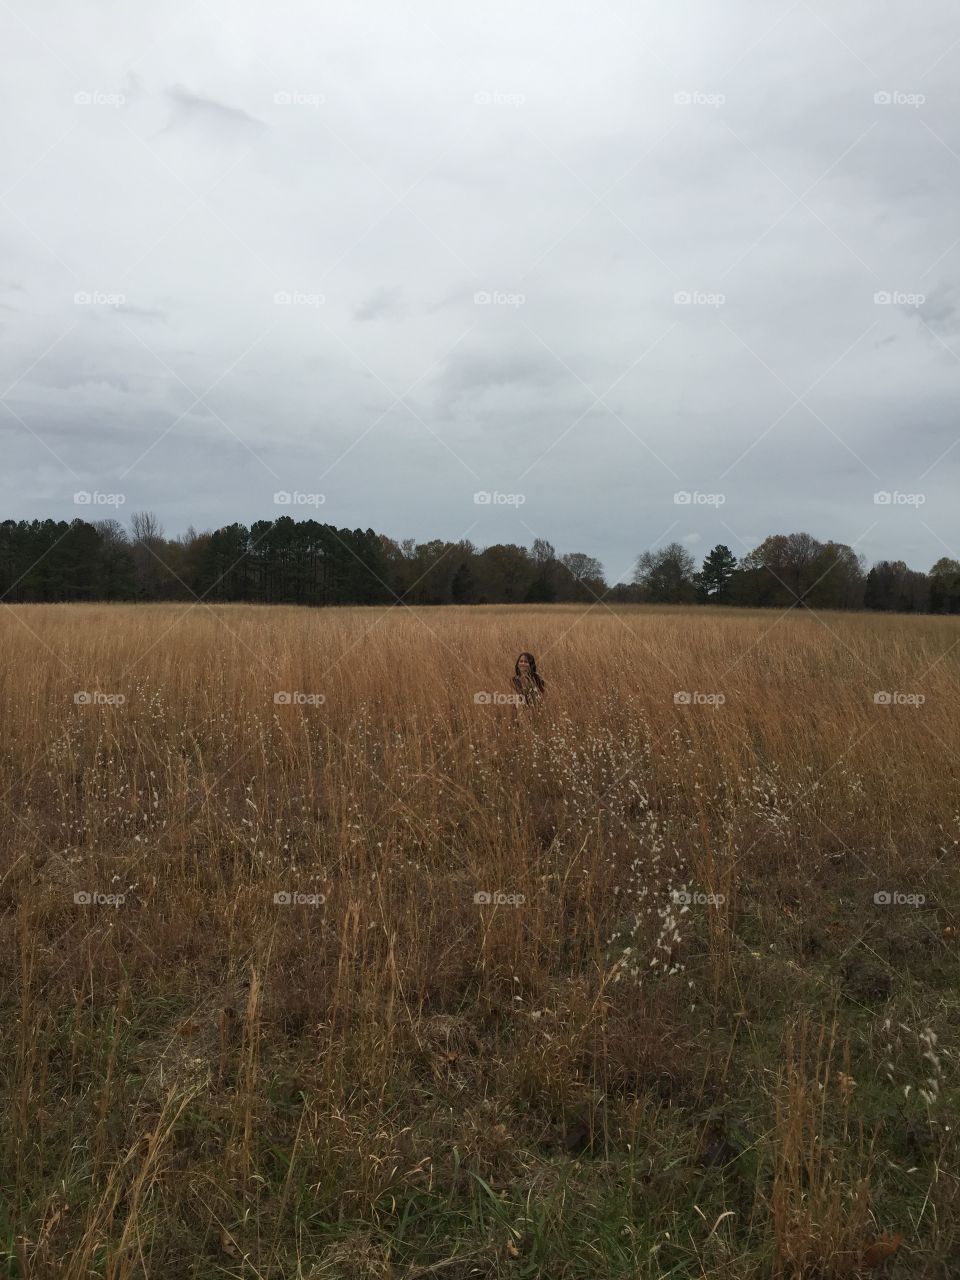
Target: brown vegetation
(587, 1075)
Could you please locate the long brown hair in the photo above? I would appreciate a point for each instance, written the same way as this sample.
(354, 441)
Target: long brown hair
(537, 678)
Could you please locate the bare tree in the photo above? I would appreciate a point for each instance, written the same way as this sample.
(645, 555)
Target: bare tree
(146, 527)
(666, 576)
(112, 532)
(585, 575)
(148, 557)
(581, 567)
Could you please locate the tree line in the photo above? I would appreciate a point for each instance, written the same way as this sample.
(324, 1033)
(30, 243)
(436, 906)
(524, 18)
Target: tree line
(794, 568)
(287, 561)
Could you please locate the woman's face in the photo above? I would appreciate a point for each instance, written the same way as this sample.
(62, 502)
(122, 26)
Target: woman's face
(524, 663)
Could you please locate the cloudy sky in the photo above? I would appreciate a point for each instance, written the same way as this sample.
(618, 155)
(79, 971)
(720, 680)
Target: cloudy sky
(578, 258)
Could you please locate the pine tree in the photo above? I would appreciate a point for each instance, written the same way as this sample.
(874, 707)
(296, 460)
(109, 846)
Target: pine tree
(717, 570)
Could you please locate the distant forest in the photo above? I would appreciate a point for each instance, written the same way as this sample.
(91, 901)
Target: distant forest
(288, 561)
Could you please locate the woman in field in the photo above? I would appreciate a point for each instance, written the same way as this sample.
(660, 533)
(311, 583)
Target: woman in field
(528, 684)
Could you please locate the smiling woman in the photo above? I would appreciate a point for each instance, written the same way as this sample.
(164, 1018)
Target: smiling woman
(527, 681)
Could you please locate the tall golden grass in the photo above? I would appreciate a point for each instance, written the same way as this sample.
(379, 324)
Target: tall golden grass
(382, 1076)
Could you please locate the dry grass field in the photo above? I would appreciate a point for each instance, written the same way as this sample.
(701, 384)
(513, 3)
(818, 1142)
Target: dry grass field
(257, 1024)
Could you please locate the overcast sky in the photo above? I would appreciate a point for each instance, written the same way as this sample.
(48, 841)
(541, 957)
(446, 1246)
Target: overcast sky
(399, 255)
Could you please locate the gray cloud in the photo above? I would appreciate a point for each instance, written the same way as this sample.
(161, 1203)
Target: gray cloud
(380, 170)
(382, 304)
(144, 313)
(193, 106)
(941, 311)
